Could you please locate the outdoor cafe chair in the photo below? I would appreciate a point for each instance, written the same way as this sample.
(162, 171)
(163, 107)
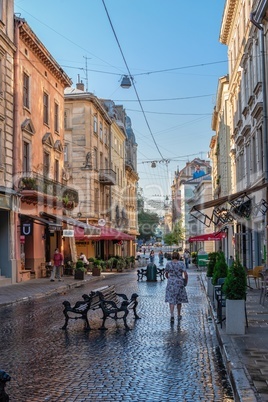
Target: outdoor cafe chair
(254, 274)
(264, 286)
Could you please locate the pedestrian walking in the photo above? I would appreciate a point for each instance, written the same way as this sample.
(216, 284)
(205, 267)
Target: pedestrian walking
(57, 263)
(177, 277)
(186, 256)
(161, 257)
(151, 256)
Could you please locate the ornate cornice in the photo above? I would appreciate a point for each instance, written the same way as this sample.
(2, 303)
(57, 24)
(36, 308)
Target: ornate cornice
(227, 20)
(36, 46)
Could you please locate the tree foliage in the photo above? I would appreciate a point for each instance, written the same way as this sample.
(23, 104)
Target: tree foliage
(147, 222)
(176, 235)
(235, 285)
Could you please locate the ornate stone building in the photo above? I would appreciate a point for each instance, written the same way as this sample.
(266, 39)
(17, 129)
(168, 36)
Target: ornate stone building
(9, 200)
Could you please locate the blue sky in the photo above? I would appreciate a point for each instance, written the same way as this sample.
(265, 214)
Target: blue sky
(181, 38)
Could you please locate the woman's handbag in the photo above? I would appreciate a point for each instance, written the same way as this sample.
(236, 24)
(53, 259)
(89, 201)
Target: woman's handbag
(185, 278)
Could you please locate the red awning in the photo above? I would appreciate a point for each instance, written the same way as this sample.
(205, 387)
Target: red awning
(113, 234)
(208, 237)
(106, 234)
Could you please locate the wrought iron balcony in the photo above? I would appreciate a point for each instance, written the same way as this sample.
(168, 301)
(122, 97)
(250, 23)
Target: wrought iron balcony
(37, 188)
(107, 177)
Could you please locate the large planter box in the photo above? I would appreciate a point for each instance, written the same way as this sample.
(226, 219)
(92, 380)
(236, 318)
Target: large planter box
(96, 271)
(235, 317)
(79, 274)
(210, 288)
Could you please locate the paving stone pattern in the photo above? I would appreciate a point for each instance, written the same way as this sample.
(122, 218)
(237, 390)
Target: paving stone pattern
(154, 361)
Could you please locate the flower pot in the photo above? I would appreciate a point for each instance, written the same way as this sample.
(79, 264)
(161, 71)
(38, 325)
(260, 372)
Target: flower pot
(235, 317)
(79, 274)
(96, 271)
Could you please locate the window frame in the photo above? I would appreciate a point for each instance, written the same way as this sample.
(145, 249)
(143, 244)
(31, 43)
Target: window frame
(45, 108)
(26, 90)
(56, 117)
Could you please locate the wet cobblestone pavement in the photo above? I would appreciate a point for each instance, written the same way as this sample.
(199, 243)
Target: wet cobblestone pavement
(155, 361)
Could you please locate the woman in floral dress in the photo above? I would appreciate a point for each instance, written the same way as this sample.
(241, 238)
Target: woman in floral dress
(176, 273)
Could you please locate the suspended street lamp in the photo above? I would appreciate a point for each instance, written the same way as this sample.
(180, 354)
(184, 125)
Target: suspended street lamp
(125, 83)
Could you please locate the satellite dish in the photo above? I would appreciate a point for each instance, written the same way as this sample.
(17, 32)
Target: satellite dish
(101, 222)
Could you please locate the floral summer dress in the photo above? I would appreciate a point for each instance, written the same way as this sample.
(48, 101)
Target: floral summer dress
(175, 290)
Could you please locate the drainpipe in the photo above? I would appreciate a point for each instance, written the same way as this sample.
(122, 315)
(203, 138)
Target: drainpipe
(265, 125)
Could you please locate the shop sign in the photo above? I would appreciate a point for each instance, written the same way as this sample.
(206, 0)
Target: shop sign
(68, 233)
(26, 229)
(22, 239)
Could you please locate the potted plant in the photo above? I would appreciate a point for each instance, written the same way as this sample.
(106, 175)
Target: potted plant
(90, 263)
(121, 264)
(80, 270)
(68, 203)
(234, 289)
(220, 268)
(110, 263)
(212, 258)
(132, 261)
(29, 183)
(96, 270)
(103, 265)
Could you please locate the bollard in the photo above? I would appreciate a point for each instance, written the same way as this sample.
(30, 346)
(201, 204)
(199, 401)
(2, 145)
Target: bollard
(4, 378)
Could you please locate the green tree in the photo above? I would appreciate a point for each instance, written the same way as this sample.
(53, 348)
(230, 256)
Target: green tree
(169, 239)
(147, 222)
(178, 232)
(176, 235)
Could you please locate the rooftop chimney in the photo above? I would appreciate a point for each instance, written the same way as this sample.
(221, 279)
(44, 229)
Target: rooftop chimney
(80, 85)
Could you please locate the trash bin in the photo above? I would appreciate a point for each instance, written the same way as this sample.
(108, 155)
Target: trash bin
(151, 272)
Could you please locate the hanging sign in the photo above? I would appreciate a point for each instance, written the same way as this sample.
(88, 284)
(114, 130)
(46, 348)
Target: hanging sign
(26, 229)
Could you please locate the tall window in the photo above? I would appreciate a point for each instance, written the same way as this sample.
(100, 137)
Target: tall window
(105, 136)
(46, 164)
(101, 160)
(56, 117)
(26, 156)
(26, 90)
(56, 170)
(66, 118)
(65, 150)
(101, 132)
(95, 124)
(95, 161)
(45, 108)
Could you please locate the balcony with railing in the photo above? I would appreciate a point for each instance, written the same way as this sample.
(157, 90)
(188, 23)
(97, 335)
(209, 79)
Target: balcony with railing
(35, 188)
(107, 177)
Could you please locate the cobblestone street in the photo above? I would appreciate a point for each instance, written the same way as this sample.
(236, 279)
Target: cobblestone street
(155, 361)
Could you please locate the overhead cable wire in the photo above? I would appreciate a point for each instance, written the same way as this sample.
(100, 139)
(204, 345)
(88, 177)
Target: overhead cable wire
(131, 77)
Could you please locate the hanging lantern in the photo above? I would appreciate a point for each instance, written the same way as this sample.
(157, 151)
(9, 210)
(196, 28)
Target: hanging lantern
(125, 83)
(153, 165)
